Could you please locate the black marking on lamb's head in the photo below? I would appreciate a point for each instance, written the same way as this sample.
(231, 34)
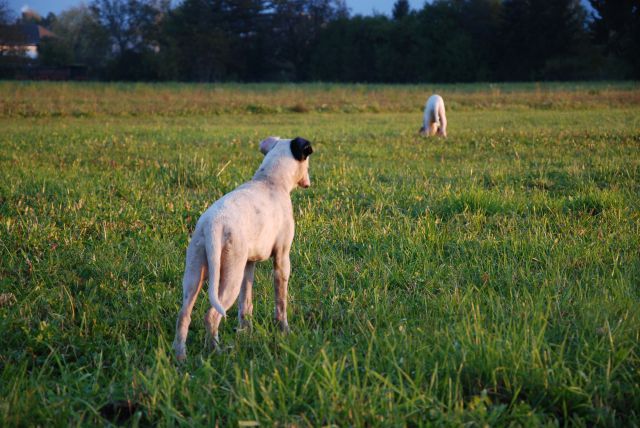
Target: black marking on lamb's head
(301, 148)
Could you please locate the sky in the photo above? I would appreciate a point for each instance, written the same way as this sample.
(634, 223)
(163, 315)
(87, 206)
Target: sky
(362, 7)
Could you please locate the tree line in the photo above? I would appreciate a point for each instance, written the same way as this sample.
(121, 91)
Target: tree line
(310, 40)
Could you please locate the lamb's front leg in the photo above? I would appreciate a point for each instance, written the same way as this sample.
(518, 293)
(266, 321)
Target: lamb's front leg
(281, 271)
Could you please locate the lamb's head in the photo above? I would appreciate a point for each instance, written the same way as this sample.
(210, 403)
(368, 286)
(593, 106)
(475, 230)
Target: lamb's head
(286, 162)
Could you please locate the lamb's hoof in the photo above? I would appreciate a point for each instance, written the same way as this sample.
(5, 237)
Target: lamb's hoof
(245, 326)
(213, 345)
(284, 327)
(181, 352)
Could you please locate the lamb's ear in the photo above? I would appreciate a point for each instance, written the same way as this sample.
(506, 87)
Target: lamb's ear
(301, 148)
(268, 144)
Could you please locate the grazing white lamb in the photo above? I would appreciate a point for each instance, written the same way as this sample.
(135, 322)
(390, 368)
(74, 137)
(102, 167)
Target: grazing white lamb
(435, 118)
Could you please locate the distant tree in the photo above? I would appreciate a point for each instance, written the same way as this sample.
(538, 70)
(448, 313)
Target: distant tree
(216, 40)
(55, 52)
(353, 50)
(131, 24)
(616, 26)
(401, 9)
(6, 14)
(11, 57)
(447, 49)
(403, 54)
(79, 32)
(249, 30)
(436, 44)
(541, 39)
(480, 20)
(295, 28)
(49, 20)
(133, 28)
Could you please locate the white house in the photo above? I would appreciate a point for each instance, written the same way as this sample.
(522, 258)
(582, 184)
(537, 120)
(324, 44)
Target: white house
(22, 39)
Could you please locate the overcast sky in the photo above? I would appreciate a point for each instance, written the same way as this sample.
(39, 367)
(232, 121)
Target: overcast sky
(362, 7)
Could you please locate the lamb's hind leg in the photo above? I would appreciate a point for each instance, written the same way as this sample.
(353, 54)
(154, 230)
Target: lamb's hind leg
(232, 272)
(195, 270)
(245, 309)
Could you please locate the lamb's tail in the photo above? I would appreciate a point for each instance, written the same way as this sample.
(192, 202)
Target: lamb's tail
(213, 247)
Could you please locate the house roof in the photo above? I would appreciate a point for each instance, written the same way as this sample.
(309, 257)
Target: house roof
(23, 34)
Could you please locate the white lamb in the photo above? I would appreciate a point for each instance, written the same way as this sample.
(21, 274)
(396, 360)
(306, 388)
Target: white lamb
(435, 118)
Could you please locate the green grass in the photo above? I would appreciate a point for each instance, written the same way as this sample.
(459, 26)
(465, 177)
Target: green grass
(25, 99)
(489, 278)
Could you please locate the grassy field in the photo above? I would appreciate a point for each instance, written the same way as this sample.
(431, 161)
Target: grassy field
(489, 278)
